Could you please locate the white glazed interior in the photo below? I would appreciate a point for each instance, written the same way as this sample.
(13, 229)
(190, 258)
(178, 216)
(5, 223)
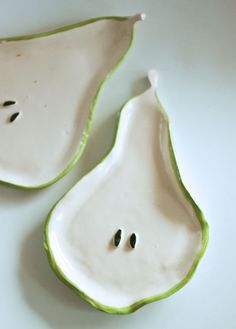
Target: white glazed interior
(54, 80)
(133, 189)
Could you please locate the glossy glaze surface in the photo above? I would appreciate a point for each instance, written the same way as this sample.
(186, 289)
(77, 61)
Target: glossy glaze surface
(54, 80)
(134, 189)
(192, 45)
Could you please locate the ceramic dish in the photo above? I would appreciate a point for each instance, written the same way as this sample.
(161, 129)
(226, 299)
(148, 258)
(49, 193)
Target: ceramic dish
(129, 233)
(49, 87)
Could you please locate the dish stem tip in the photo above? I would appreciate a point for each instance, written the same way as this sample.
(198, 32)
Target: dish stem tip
(153, 78)
(138, 17)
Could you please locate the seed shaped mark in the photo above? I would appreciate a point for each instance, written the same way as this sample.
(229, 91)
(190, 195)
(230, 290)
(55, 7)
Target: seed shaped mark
(133, 240)
(14, 116)
(9, 103)
(117, 238)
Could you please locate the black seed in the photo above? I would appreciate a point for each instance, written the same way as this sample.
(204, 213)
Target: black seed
(117, 238)
(9, 103)
(133, 240)
(14, 116)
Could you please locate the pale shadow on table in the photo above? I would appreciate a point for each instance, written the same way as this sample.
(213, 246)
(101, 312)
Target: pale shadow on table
(99, 143)
(11, 195)
(140, 86)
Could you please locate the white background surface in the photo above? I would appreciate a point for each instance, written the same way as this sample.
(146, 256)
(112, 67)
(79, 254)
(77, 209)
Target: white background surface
(192, 44)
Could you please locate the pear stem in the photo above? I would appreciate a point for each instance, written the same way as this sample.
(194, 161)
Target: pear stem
(153, 78)
(138, 17)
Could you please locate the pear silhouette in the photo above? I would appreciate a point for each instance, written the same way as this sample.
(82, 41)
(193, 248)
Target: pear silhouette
(49, 86)
(129, 233)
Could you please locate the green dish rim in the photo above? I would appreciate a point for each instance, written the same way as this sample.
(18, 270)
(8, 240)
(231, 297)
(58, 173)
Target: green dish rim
(174, 289)
(94, 102)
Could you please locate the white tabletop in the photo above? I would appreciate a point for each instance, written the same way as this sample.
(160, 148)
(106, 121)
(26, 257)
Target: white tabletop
(192, 44)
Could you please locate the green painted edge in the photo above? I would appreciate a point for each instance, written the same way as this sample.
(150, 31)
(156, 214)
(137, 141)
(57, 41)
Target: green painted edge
(61, 29)
(174, 289)
(91, 111)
